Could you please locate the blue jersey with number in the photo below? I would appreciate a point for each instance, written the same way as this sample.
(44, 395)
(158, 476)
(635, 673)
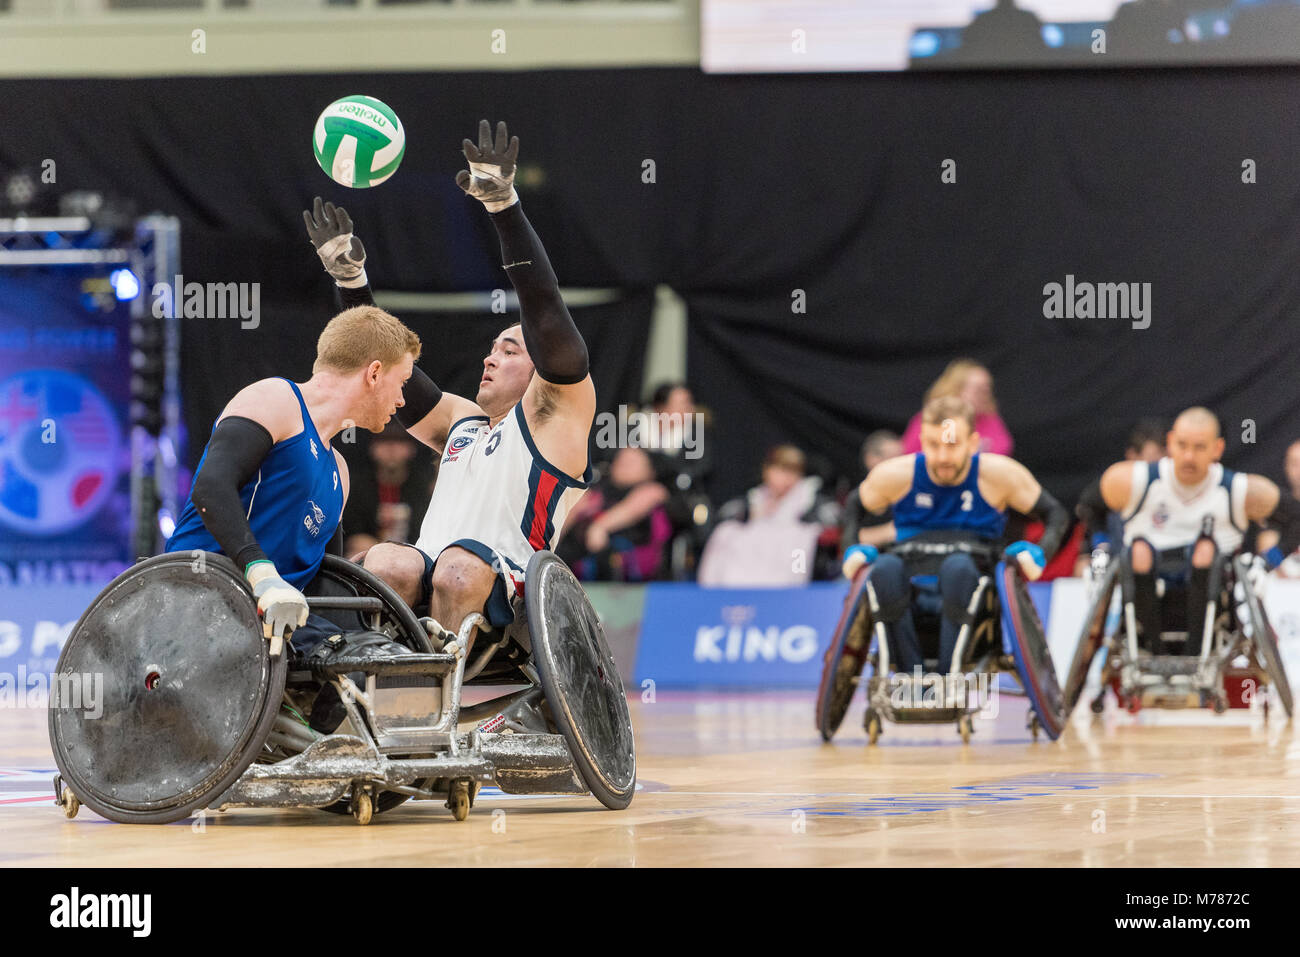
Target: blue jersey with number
(929, 507)
(293, 504)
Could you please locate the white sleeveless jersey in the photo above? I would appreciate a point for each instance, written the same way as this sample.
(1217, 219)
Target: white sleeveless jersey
(1169, 514)
(496, 496)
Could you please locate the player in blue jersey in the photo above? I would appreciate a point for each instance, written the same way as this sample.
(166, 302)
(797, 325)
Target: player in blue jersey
(948, 493)
(270, 487)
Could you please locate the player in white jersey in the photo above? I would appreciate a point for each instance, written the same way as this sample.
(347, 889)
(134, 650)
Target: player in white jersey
(514, 460)
(1180, 514)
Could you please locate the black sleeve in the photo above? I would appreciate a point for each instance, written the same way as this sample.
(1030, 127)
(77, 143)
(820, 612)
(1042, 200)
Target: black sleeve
(553, 341)
(1056, 520)
(358, 296)
(235, 453)
(421, 394)
(1093, 512)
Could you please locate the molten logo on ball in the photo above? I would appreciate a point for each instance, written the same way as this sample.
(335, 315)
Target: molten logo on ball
(359, 141)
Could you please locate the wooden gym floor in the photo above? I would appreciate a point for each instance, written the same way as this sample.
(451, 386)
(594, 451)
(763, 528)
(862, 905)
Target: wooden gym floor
(743, 779)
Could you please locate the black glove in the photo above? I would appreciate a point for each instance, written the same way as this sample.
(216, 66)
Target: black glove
(491, 175)
(330, 230)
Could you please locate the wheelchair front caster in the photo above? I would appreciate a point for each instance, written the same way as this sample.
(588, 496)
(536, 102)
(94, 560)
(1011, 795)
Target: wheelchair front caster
(1220, 704)
(965, 727)
(1098, 703)
(65, 799)
(1034, 725)
(362, 806)
(458, 800)
(872, 723)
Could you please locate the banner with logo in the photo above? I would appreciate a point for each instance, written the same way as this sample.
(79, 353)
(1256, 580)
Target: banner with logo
(761, 637)
(34, 623)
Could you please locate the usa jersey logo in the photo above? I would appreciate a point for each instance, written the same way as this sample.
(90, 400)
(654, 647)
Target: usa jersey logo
(456, 446)
(1160, 515)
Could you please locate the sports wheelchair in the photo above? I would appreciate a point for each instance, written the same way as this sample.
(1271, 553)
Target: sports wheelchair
(1237, 644)
(199, 711)
(1002, 634)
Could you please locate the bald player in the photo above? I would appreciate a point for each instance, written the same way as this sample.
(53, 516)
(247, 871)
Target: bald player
(1180, 513)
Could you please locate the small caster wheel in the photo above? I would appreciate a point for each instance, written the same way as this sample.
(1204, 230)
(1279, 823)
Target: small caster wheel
(70, 802)
(1133, 705)
(872, 724)
(1264, 704)
(1098, 703)
(458, 800)
(363, 806)
(1220, 704)
(965, 727)
(1034, 726)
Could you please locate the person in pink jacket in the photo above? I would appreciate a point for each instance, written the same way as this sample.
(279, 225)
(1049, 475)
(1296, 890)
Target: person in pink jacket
(971, 381)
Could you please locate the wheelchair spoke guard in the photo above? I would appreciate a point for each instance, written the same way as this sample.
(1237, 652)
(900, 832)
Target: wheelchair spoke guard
(580, 680)
(182, 690)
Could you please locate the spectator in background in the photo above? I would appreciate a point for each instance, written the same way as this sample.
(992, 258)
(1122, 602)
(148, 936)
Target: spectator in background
(683, 461)
(966, 379)
(1279, 542)
(618, 530)
(860, 526)
(677, 446)
(1101, 526)
(770, 536)
(390, 490)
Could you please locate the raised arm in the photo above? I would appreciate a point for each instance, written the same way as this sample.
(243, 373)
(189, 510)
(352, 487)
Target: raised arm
(427, 412)
(561, 393)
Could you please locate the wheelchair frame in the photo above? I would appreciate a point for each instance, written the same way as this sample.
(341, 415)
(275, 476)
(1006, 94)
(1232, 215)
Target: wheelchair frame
(1235, 626)
(392, 746)
(979, 651)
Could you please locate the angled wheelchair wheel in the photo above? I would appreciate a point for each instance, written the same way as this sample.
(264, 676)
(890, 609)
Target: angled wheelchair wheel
(1264, 640)
(1024, 637)
(845, 657)
(339, 577)
(188, 691)
(1090, 638)
(580, 679)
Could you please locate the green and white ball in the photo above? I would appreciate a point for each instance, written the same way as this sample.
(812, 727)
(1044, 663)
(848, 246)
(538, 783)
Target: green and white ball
(359, 141)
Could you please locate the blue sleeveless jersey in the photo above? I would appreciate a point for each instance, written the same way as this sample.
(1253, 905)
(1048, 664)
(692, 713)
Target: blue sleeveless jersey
(928, 507)
(294, 503)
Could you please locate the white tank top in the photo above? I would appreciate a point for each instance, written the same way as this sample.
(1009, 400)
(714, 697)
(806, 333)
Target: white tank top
(497, 496)
(1169, 514)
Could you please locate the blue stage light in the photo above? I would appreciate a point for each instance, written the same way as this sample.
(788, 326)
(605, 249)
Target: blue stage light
(125, 284)
(925, 44)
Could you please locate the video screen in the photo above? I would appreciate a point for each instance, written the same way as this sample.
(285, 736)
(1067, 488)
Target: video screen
(783, 36)
(65, 356)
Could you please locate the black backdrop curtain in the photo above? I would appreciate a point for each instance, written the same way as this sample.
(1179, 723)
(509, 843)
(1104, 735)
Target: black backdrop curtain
(764, 185)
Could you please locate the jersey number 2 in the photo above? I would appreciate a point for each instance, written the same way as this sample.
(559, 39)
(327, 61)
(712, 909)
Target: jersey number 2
(967, 500)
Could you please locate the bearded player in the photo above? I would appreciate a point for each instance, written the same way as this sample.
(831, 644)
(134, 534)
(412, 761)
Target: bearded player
(514, 460)
(949, 494)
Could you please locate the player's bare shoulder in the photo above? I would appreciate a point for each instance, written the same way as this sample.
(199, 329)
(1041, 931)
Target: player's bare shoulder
(887, 482)
(270, 403)
(1004, 481)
